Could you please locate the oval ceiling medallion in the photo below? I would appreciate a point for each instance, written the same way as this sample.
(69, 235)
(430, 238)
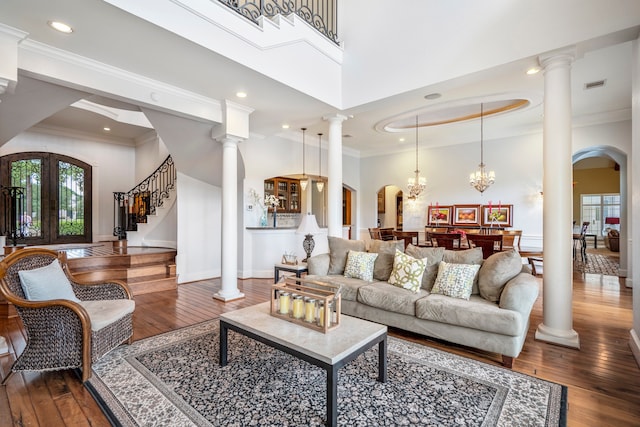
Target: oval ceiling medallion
(453, 112)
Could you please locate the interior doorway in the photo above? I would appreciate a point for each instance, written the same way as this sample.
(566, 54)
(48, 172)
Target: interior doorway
(389, 213)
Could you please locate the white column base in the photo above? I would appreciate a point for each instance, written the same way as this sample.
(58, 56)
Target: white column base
(232, 296)
(564, 338)
(634, 343)
(4, 348)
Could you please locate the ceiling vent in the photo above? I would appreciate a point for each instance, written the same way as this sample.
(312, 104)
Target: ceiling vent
(593, 85)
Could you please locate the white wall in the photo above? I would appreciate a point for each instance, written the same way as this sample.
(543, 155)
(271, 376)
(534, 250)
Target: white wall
(199, 235)
(113, 168)
(150, 154)
(634, 206)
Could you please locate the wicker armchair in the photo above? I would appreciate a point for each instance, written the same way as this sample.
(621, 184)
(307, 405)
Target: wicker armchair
(59, 332)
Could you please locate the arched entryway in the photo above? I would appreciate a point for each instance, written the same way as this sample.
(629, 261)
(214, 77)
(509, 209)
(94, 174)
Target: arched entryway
(619, 158)
(54, 198)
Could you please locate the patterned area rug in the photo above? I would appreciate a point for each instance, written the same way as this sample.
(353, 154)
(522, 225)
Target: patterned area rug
(175, 379)
(598, 264)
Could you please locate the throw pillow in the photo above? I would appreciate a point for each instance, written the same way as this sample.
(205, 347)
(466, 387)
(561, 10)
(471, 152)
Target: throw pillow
(407, 272)
(455, 280)
(338, 250)
(467, 256)
(386, 251)
(46, 283)
(496, 271)
(431, 258)
(360, 265)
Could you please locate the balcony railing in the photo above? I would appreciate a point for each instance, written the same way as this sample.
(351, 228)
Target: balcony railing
(320, 14)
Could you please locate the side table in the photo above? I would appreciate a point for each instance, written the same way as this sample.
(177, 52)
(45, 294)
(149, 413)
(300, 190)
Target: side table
(298, 269)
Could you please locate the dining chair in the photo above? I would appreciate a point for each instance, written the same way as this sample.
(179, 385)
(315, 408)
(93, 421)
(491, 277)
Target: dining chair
(447, 240)
(511, 239)
(490, 243)
(580, 242)
(407, 236)
(375, 234)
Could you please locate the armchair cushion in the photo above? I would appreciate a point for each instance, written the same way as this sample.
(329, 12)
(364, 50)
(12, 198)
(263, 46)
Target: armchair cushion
(104, 312)
(46, 283)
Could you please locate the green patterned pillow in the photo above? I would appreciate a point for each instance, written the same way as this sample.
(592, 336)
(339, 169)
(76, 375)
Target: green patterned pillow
(455, 280)
(360, 265)
(407, 272)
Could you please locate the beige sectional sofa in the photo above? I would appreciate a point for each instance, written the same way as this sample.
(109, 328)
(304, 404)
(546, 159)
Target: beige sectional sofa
(494, 318)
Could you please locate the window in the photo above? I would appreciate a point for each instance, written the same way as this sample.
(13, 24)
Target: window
(595, 208)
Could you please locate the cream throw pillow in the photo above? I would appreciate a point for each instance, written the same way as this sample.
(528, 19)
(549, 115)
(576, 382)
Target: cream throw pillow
(407, 272)
(360, 265)
(455, 280)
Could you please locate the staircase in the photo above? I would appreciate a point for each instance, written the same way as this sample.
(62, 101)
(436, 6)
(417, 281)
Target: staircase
(144, 269)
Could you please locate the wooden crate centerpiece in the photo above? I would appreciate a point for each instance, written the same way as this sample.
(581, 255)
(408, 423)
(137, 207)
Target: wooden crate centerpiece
(310, 303)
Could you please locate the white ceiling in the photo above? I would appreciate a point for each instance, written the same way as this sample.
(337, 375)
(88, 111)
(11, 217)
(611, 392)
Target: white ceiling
(109, 35)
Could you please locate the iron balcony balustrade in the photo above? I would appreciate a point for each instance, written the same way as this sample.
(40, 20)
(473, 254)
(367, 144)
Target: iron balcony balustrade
(320, 14)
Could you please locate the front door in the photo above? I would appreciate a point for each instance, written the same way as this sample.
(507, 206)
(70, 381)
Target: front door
(54, 198)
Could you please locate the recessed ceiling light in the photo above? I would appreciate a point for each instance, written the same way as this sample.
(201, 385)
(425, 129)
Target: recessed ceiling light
(434, 95)
(106, 129)
(60, 26)
(285, 126)
(533, 70)
(241, 94)
(401, 140)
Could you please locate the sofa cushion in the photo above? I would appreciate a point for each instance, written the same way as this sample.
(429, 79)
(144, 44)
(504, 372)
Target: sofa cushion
(496, 271)
(46, 283)
(467, 256)
(407, 272)
(360, 265)
(455, 280)
(348, 286)
(390, 298)
(338, 251)
(386, 250)
(104, 312)
(431, 258)
(476, 313)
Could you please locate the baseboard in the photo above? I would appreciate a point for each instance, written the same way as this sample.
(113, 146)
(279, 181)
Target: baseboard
(634, 343)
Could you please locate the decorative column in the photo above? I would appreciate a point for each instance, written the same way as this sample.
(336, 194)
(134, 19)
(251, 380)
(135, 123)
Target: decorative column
(334, 186)
(236, 128)
(557, 326)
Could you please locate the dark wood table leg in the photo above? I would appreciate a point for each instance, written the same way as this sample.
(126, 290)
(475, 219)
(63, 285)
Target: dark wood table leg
(332, 396)
(382, 360)
(223, 344)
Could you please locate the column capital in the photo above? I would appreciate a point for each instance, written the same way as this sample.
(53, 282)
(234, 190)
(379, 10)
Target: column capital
(567, 55)
(226, 138)
(335, 117)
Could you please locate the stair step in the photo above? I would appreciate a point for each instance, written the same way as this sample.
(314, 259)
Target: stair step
(147, 286)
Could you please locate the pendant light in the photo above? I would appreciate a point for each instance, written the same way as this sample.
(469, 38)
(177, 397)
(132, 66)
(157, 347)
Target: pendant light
(320, 182)
(304, 181)
(480, 179)
(417, 183)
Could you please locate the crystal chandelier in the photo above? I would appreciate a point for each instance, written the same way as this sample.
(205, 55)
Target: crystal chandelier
(320, 182)
(480, 179)
(304, 181)
(416, 184)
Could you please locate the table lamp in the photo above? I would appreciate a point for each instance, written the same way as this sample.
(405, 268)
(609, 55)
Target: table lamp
(308, 226)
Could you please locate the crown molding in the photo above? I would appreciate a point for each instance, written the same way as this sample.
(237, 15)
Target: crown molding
(59, 66)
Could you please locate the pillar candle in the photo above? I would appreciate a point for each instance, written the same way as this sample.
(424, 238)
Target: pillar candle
(310, 310)
(285, 302)
(298, 307)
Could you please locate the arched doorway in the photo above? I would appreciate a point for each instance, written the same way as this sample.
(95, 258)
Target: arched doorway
(620, 159)
(55, 202)
(389, 213)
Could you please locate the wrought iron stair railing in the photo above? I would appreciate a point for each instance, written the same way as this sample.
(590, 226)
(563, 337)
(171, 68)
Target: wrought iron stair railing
(320, 14)
(132, 207)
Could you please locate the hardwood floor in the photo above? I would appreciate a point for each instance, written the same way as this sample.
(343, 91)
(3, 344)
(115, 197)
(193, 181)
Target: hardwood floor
(602, 377)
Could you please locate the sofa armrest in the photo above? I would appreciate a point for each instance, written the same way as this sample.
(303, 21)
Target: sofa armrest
(318, 265)
(519, 294)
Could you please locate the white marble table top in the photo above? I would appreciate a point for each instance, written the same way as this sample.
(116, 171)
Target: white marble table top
(330, 348)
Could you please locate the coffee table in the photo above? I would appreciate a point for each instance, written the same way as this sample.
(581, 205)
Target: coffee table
(330, 351)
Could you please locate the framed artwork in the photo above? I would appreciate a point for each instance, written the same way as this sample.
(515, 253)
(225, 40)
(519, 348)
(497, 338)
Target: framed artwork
(440, 215)
(501, 215)
(466, 215)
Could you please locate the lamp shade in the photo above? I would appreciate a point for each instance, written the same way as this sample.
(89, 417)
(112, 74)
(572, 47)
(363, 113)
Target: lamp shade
(612, 220)
(308, 225)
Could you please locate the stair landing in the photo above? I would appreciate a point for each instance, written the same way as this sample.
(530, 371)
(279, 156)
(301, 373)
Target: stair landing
(144, 269)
